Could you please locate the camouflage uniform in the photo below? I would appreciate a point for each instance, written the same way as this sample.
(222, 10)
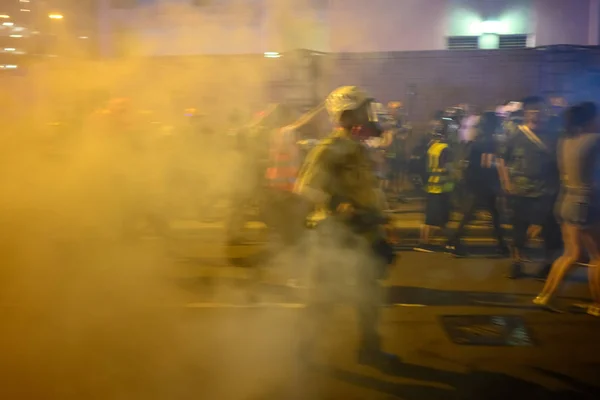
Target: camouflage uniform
(344, 265)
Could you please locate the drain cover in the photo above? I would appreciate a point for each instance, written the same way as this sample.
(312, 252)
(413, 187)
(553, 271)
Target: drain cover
(487, 330)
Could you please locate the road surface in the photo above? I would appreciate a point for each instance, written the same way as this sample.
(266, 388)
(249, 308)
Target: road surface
(142, 325)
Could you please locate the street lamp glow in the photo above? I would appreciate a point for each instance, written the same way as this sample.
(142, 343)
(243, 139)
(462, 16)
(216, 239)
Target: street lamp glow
(272, 54)
(25, 10)
(55, 16)
(4, 16)
(494, 27)
(9, 49)
(16, 36)
(8, 23)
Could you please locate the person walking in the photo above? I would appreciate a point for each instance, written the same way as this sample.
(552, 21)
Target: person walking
(350, 254)
(481, 183)
(529, 174)
(577, 208)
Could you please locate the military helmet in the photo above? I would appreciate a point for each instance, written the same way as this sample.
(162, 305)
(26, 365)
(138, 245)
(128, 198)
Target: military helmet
(344, 98)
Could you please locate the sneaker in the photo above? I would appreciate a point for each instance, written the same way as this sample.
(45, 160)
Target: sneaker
(594, 310)
(541, 300)
(515, 271)
(378, 359)
(456, 251)
(503, 251)
(425, 248)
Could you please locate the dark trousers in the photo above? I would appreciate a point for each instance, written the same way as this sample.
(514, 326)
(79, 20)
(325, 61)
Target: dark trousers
(473, 201)
(338, 258)
(284, 214)
(529, 211)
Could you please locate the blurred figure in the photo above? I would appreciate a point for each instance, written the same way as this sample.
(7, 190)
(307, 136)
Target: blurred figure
(337, 179)
(439, 187)
(395, 153)
(482, 184)
(256, 148)
(124, 145)
(281, 210)
(577, 208)
(468, 124)
(529, 173)
(205, 150)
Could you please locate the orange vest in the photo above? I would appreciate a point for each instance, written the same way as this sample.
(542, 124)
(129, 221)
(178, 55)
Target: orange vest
(283, 160)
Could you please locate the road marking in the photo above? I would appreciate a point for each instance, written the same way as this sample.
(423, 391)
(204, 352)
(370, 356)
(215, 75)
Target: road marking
(275, 305)
(256, 305)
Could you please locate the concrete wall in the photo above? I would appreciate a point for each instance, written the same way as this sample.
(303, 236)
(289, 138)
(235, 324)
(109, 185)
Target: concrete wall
(257, 26)
(387, 25)
(562, 22)
(439, 78)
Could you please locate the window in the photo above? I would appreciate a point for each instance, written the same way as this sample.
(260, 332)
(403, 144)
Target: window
(463, 42)
(513, 41)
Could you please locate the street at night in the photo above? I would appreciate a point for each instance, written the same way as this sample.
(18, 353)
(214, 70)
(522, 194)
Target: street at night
(299, 199)
(195, 333)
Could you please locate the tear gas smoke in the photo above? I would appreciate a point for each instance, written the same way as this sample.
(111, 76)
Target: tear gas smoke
(88, 310)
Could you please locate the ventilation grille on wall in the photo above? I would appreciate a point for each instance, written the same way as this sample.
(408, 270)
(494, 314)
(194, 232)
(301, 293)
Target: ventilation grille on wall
(463, 43)
(513, 41)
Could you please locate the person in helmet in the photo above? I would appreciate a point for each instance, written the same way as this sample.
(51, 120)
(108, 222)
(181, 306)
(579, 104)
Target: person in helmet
(337, 179)
(439, 186)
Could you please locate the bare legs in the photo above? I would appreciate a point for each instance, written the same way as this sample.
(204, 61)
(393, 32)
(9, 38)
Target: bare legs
(575, 239)
(562, 264)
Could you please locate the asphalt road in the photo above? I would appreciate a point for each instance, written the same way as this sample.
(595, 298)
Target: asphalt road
(142, 325)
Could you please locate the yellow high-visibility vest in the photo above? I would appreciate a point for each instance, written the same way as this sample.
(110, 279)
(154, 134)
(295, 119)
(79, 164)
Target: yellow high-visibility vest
(439, 177)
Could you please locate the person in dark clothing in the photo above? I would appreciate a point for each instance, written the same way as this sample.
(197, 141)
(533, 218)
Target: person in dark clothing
(529, 173)
(481, 184)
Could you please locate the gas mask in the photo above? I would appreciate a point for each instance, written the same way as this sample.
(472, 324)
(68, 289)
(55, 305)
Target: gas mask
(379, 120)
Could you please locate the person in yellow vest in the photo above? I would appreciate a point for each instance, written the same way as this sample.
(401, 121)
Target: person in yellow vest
(439, 187)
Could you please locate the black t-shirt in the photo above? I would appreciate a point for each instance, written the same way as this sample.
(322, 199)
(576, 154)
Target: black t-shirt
(481, 172)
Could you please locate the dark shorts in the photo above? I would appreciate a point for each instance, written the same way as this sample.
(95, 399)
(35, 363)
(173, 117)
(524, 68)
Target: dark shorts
(581, 211)
(437, 209)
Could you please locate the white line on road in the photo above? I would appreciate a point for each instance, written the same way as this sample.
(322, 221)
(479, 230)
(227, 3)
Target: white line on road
(210, 305)
(256, 305)
(273, 305)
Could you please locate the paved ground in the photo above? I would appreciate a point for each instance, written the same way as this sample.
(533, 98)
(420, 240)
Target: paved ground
(562, 363)
(145, 326)
(407, 220)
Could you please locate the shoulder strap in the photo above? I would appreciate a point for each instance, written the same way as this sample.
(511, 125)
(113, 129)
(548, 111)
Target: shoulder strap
(533, 137)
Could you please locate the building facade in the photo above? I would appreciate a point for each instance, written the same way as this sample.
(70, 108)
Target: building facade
(186, 27)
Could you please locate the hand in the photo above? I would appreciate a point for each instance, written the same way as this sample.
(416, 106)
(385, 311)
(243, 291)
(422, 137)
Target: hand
(390, 234)
(534, 231)
(345, 209)
(507, 187)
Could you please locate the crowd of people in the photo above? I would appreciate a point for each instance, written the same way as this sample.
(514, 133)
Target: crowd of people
(517, 162)
(323, 182)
